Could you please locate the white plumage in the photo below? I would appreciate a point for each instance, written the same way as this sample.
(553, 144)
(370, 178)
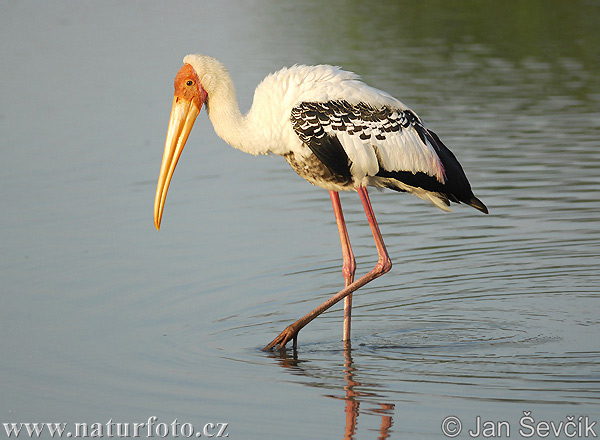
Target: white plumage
(266, 128)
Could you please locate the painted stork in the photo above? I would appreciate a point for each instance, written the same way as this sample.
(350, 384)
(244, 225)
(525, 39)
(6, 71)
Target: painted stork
(336, 132)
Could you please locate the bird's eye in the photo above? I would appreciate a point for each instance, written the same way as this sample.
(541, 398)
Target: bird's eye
(189, 82)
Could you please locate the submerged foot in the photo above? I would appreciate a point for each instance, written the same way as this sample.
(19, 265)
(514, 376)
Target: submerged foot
(284, 337)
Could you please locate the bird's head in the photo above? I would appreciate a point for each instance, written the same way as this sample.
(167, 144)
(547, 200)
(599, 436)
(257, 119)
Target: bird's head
(190, 95)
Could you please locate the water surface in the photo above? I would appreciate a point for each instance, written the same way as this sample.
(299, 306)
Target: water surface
(104, 318)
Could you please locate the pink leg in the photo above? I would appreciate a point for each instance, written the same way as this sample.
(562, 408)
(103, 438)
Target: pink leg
(383, 265)
(349, 266)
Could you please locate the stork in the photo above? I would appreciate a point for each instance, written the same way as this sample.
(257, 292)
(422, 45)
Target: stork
(336, 132)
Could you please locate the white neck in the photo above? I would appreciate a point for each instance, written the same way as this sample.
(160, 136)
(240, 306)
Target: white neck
(223, 108)
(224, 113)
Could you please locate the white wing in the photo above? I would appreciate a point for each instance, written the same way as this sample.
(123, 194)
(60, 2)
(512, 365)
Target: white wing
(375, 140)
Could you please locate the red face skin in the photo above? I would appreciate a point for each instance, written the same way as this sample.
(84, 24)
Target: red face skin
(187, 86)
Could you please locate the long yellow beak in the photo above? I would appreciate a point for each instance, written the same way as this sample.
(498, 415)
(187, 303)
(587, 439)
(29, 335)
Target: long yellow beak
(183, 115)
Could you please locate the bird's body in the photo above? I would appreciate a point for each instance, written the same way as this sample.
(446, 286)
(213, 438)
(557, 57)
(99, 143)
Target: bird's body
(334, 130)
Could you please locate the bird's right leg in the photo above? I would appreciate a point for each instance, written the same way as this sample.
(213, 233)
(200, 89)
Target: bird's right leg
(384, 264)
(349, 265)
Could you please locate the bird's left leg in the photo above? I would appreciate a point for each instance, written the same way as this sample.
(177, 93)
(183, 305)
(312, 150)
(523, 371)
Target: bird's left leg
(349, 265)
(384, 264)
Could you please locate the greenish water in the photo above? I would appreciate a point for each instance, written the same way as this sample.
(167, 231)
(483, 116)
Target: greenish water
(103, 318)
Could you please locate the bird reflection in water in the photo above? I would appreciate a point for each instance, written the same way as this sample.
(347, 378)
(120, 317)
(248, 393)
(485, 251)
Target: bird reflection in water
(353, 396)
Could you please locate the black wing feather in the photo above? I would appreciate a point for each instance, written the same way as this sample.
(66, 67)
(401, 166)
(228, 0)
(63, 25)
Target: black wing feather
(308, 122)
(310, 118)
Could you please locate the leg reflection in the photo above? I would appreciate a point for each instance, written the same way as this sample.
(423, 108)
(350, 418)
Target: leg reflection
(353, 401)
(352, 404)
(353, 394)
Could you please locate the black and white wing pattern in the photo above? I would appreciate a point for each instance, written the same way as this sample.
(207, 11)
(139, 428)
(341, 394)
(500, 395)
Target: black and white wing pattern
(383, 146)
